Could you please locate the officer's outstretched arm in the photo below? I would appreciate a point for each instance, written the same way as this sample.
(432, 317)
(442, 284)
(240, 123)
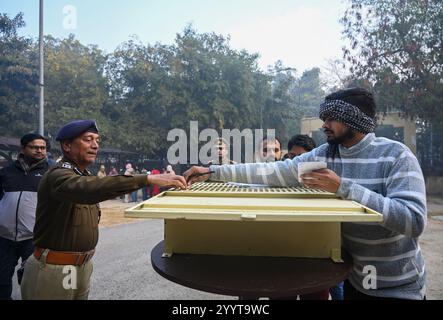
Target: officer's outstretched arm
(167, 180)
(67, 185)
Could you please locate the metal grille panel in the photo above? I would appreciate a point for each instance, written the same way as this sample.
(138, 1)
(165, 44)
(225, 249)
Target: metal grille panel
(222, 187)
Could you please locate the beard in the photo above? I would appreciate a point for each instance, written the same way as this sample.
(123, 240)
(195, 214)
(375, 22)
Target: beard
(349, 134)
(333, 149)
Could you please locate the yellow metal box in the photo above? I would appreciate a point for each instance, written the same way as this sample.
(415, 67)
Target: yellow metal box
(231, 219)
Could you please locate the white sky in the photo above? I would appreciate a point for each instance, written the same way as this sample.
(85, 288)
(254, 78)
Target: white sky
(303, 38)
(301, 33)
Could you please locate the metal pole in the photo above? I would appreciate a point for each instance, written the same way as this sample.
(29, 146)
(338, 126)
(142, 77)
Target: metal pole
(41, 128)
(261, 117)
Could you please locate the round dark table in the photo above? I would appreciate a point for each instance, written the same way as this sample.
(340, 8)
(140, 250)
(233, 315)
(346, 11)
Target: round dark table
(244, 276)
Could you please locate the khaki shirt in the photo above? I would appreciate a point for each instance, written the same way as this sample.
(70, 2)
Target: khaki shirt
(68, 212)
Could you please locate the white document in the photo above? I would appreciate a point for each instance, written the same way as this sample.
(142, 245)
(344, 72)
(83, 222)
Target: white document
(305, 167)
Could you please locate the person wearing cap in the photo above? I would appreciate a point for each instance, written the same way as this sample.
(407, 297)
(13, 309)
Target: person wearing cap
(68, 213)
(379, 173)
(18, 202)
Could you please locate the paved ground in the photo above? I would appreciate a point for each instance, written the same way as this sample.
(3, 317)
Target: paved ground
(122, 267)
(432, 243)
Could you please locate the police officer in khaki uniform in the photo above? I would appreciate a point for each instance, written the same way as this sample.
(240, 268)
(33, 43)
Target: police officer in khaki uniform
(67, 216)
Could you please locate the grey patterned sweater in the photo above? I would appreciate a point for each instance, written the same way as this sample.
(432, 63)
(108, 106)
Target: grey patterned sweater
(383, 175)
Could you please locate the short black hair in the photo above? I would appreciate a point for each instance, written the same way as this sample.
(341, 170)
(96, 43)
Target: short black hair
(359, 97)
(275, 138)
(302, 140)
(31, 137)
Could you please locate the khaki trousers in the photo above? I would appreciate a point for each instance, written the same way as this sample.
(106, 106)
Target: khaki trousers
(43, 281)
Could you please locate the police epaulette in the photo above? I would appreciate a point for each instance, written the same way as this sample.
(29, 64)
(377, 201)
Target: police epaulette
(67, 165)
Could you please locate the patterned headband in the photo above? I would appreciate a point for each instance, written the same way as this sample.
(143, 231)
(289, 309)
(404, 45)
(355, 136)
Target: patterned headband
(348, 114)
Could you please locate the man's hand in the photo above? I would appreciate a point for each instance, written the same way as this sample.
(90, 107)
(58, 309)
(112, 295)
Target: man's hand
(167, 180)
(196, 174)
(324, 179)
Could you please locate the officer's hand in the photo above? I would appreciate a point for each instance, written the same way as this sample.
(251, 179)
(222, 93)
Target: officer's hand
(324, 179)
(196, 174)
(167, 180)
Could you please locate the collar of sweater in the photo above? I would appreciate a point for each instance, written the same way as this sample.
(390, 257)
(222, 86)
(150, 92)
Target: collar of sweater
(357, 148)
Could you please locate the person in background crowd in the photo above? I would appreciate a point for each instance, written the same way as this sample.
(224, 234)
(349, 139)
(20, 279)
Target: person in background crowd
(299, 144)
(270, 150)
(18, 202)
(129, 172)
(154, 190)
(220, 153)
(101, 172)
(113, 172)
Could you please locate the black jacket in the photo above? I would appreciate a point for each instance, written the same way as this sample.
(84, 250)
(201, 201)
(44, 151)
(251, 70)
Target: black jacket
(18, 199)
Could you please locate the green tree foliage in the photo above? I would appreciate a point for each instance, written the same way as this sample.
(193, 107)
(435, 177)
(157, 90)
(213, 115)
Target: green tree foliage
(280, 109)
(396, 50)
(76, 87)
(140, 92)
(199, 78)
(309, 93)
(396, 46)
(18, 79)
(292, 99)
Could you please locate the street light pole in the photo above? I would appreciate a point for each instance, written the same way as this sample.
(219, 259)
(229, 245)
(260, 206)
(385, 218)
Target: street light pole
(41, 129)
(261, 116)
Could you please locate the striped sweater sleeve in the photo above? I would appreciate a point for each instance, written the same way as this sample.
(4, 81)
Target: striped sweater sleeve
(404, 206)
(279, 173)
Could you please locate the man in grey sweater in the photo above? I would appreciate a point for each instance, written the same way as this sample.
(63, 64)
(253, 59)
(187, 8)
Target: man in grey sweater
(379, 173)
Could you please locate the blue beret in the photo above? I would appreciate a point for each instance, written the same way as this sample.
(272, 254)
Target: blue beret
(75, 128)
